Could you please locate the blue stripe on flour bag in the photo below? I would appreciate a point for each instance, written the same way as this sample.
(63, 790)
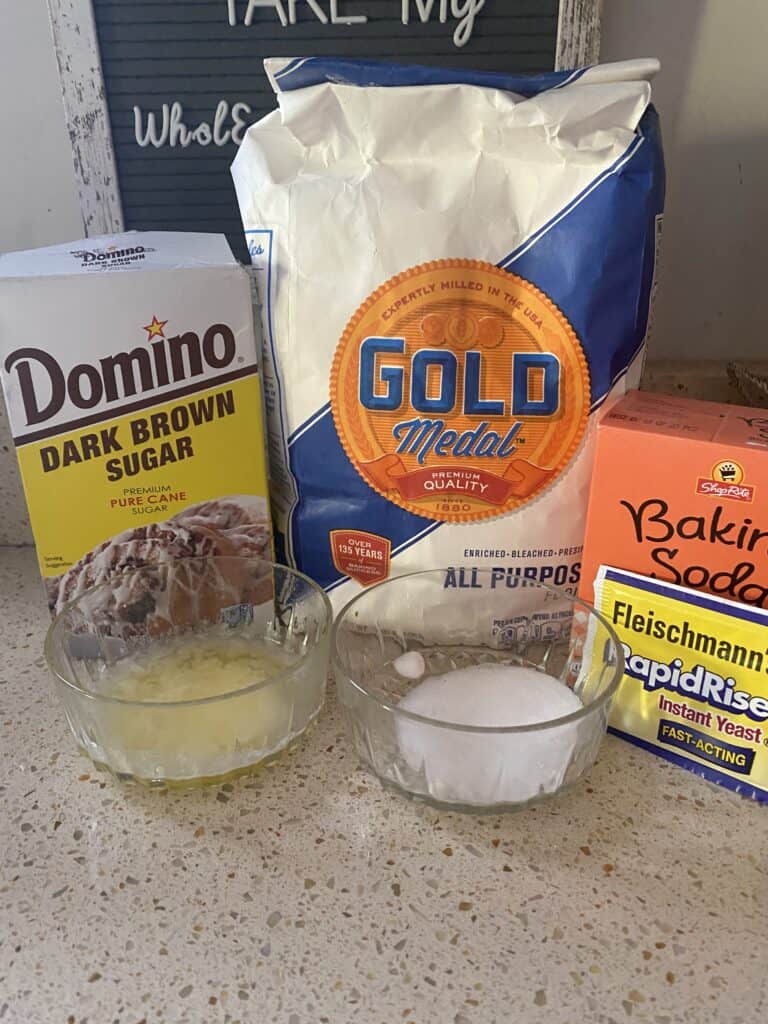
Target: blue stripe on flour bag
(302, 72)
(596, 263)
(333, 496)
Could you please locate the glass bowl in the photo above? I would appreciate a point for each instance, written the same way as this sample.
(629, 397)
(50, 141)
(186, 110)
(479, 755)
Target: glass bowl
(193, 670)
(473, 618)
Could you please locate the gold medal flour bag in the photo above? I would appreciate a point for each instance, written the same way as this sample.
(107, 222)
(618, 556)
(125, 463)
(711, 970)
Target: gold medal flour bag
(455, 271)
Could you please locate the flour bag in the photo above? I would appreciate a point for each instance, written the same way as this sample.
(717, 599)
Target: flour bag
(455, 270)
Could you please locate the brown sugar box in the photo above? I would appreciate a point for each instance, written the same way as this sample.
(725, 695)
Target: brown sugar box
(130, 374)
(679, 492)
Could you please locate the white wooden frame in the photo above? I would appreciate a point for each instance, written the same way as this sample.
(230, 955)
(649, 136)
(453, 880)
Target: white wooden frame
(578, 33)
(87, 117)
(86, 114)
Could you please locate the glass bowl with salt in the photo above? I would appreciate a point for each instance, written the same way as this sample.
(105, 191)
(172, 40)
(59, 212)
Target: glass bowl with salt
(475, 689)
(191, 671)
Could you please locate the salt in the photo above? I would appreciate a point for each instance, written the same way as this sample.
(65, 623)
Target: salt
(410, 665)
(480, 768)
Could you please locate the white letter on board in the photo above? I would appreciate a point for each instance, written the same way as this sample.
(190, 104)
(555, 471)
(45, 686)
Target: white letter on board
(276, 5)
(239, 110)
(424, 10)
(221, 135)
(467, 12)
(179, 133)
(345, 19)
(152, 136)
(318, 12)
(203, 135)
(231, 12)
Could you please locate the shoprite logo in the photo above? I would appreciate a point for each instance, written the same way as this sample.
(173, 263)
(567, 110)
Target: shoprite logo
(726, 480)
(459, 391)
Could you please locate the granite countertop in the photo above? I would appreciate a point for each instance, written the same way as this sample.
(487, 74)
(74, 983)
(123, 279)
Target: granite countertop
(308, 894)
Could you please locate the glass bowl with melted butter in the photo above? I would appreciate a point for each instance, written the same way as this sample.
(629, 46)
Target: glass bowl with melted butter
(191, 671)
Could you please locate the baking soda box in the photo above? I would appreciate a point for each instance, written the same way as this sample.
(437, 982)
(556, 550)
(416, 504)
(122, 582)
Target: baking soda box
(680, 492)
(679, 498)
(130, 374)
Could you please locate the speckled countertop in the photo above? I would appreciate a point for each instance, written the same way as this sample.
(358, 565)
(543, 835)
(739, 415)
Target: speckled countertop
(308, 894)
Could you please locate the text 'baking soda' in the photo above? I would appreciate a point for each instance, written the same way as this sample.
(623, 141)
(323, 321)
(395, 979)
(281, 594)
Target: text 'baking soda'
(679, 493)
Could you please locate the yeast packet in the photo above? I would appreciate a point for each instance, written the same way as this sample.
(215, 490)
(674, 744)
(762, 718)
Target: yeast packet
(695, 686)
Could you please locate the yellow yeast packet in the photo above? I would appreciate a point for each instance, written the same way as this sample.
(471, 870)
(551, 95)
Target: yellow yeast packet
(695, 686)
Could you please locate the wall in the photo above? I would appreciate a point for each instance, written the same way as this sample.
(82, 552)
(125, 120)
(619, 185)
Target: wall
(711, 94)
(38, 204)
(712, 98)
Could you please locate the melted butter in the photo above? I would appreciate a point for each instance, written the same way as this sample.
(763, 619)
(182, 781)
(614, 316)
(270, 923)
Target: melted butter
(195, 667)
(160, 739)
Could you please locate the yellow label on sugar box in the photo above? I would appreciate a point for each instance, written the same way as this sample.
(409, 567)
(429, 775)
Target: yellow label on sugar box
(141, 468)
(695, 686)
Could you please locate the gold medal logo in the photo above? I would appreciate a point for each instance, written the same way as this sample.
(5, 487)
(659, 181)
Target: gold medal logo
(459, 391)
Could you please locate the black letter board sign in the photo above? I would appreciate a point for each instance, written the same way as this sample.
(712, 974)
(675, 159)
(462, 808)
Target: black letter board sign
(157, 93)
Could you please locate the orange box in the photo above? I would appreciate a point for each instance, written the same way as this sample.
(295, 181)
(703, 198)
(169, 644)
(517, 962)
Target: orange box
(680, 492)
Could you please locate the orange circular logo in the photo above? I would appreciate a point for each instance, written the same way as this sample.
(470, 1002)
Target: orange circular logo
(459, 390)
